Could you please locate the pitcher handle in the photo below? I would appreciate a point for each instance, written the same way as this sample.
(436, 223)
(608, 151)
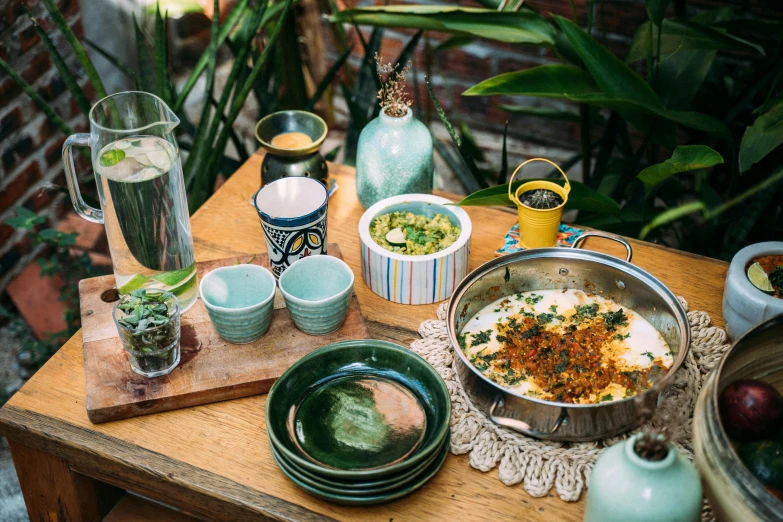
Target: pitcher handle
(83, 209)
(515, 196)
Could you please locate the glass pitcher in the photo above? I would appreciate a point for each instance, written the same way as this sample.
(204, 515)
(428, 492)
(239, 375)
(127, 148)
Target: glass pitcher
(142, 193)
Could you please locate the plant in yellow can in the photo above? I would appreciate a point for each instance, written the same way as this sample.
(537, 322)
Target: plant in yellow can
(539, 207)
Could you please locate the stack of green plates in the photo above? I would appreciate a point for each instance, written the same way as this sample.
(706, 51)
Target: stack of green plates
(359, 422)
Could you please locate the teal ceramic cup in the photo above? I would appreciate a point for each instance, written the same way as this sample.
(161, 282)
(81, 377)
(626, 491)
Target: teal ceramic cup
(239, 301)
(317, 292)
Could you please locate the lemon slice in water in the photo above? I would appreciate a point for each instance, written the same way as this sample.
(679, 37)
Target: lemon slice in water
(759, 278)
(134, 283)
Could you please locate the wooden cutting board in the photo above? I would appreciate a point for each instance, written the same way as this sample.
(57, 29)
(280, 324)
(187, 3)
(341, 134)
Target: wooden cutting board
(210, 369)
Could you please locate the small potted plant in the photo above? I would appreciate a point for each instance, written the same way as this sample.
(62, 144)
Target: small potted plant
(394, 154)
(149, 326)
(539, 207)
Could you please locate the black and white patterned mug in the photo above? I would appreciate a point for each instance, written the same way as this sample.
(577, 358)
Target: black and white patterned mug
(293, 218)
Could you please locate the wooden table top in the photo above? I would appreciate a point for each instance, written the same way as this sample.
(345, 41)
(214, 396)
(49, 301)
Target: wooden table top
(215, 461)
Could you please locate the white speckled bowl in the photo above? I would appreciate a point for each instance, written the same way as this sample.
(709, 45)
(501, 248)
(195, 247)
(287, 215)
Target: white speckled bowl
(744, 305)
(415, 279)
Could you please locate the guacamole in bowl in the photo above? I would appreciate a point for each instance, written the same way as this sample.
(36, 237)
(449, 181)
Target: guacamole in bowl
(421, 235)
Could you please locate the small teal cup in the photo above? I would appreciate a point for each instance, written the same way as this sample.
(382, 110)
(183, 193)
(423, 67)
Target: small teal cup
(239, 300)
(317, 292)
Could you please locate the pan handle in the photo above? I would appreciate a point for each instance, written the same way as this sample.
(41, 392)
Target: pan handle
(521, 426)
(606, 235)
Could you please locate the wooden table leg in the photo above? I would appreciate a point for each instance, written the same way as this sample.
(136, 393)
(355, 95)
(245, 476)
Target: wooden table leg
(54, 493)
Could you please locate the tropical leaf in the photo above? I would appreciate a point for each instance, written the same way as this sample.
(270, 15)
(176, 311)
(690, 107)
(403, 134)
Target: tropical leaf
(685, 35)
(47, 109)
(609, 72)
(231, 20)
(146, 73)
(503, 174)
(551, 81)
(116, 62)
(684, 158)
(541, 112)
(326, 81)
(761, 138)
(681, 75)
(523, 26)
(76, 47)
(453, 42)
(656, 10)
(566, 82)
(70, 81)
(581, 197)
(160, 54)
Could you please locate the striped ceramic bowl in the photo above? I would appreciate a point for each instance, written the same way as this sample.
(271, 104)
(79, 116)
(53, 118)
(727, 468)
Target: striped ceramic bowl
(415, 279)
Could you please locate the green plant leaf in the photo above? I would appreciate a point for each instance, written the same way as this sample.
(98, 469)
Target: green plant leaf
(761, 138)
(551, 81)
(581, 197)
(685, 35)
(452, 42)
(681, 75)
(566, 82)
(116, 62)
(146, 73)
(541, 112)
(47, 109)
(160, 53)
(673, 214)
(684, 158)
(76, 47)
(231, 20)
(524, 26)
(609, 72)
(656, 10)
(25, 219)
(70, 81)
(326, 81)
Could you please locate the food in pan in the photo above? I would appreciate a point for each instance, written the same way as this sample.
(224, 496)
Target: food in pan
(766, 274)
(413, 234)
(565, 346)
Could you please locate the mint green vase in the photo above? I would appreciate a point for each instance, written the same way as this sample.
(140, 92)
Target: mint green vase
(394, 157)
(626, 488)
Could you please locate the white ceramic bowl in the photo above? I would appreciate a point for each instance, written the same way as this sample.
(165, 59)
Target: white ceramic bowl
(415, 279)
(744, 305)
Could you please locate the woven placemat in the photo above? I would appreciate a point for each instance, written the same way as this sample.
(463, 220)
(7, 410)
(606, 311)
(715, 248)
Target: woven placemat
(541, 465)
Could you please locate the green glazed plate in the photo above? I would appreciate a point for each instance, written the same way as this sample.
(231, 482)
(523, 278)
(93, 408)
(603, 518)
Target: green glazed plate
(358, 411)
(360, 500)
(357, 488)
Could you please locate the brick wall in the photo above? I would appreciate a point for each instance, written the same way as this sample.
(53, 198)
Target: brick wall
(30, 161)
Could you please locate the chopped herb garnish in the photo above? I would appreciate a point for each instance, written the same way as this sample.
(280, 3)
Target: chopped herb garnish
(532, 299)
(583, 312)
(607, 397)
(553, 308)
(461, 341)
(532, 332)
(615, 319)
(650, 355)
(544, 318)
(621, 337)
(481, 337)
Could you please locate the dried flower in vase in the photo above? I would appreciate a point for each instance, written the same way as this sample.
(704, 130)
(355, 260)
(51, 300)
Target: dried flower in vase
(394, 99)
(653, 444)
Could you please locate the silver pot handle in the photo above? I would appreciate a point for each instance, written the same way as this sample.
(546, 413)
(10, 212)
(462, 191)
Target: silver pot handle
(606, 235)
(521, 426)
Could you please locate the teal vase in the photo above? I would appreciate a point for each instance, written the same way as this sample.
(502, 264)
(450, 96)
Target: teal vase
(394, 157)
(627, 488)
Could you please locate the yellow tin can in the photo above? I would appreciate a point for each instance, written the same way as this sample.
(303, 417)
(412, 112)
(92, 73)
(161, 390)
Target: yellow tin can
(538, 227)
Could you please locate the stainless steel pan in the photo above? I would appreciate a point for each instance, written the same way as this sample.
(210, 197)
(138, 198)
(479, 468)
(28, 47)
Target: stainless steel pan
(572, 268)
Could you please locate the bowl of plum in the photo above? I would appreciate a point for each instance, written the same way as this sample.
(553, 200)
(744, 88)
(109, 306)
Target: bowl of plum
(738, 428)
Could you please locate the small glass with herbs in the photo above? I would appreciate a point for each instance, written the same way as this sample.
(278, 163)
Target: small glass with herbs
(149, 326)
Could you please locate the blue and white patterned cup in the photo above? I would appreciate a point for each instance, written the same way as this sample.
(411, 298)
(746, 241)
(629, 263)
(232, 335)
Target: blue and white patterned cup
(293, 218)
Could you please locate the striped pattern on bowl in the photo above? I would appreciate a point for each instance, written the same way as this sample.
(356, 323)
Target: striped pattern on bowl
(415, 279)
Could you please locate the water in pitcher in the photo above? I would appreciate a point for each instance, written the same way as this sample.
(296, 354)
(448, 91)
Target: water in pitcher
(146, 216)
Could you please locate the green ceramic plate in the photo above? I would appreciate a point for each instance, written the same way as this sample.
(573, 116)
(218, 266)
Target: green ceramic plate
(356, 500)
(356, 488)
(358, 410)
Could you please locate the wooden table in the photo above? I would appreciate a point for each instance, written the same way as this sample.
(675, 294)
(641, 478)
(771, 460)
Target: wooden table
(213, 461)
